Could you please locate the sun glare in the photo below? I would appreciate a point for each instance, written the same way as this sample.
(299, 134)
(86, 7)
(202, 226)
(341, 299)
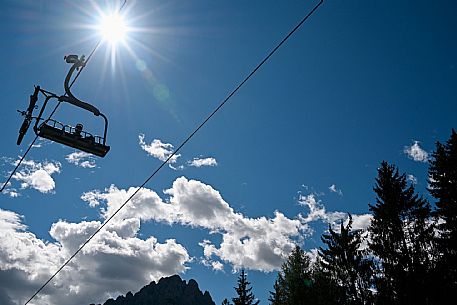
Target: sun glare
(112, 28)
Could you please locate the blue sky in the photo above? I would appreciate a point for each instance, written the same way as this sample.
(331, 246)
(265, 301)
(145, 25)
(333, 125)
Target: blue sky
(359, 83)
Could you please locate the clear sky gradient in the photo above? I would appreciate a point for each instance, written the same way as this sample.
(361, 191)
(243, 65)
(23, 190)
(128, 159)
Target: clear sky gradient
(295, 149)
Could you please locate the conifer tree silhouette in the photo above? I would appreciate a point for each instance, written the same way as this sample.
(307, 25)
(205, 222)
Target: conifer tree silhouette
(443, 187)
(244, 291)
(294, 283)
(347, 265)
(401, 237)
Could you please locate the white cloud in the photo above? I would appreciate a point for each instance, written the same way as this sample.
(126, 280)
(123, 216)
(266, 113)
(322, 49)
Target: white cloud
(10, 221)
(82, 159)
(313, 254)
(10, 191)
(361, 221)
(411, 178)
(13, 193)
(115, 261)
(158, 150)
(197, 162)
(208, 262)
(317, 210)
(416, 153)
(217, 266)
(37, 175)
(256, 243)
(334, 189)
(91, 197)
(260, 243)
(163, 151)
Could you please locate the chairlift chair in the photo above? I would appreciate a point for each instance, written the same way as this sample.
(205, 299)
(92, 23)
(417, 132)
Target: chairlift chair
(61, 133)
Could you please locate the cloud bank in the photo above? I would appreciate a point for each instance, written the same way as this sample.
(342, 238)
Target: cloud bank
(116, 260)
(255, 243)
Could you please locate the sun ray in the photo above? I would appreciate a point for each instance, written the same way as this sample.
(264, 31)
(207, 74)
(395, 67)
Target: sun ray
(149, 50)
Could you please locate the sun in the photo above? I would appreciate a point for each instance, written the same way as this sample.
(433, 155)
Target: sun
(112, 28)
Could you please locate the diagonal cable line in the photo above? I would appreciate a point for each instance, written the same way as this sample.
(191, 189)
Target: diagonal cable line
(233, 92)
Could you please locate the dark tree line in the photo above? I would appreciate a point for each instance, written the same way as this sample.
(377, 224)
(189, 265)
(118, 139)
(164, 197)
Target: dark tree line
(407, 256)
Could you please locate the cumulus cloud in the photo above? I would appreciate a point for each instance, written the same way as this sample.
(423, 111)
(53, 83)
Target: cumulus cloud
(411, 178)
(361, 221)
(416, 153)
(256, 243)
(91, 197)
(317, 210)
(217, 266)
(163, 151)
(158, 150)
(10, 191)
(116, 260)
(208, 262)
(197, 162)
(82, 159)
(334, 189)
(37, 175)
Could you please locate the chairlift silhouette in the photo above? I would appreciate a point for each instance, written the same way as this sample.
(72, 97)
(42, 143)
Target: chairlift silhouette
(72, 136)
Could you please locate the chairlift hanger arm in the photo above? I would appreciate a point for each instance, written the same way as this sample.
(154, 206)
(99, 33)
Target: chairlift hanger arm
(69, 97)
(80, 104)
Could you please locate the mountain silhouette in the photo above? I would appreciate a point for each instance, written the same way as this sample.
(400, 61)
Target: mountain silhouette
(168, 291)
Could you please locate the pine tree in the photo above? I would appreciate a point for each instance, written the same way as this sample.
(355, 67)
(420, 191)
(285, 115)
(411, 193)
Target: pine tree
(401, 237)
(325, 290)
(346, 264)
(244, 291)
(278, 296)
(443, 187)
(225, 302)
(294, 283)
